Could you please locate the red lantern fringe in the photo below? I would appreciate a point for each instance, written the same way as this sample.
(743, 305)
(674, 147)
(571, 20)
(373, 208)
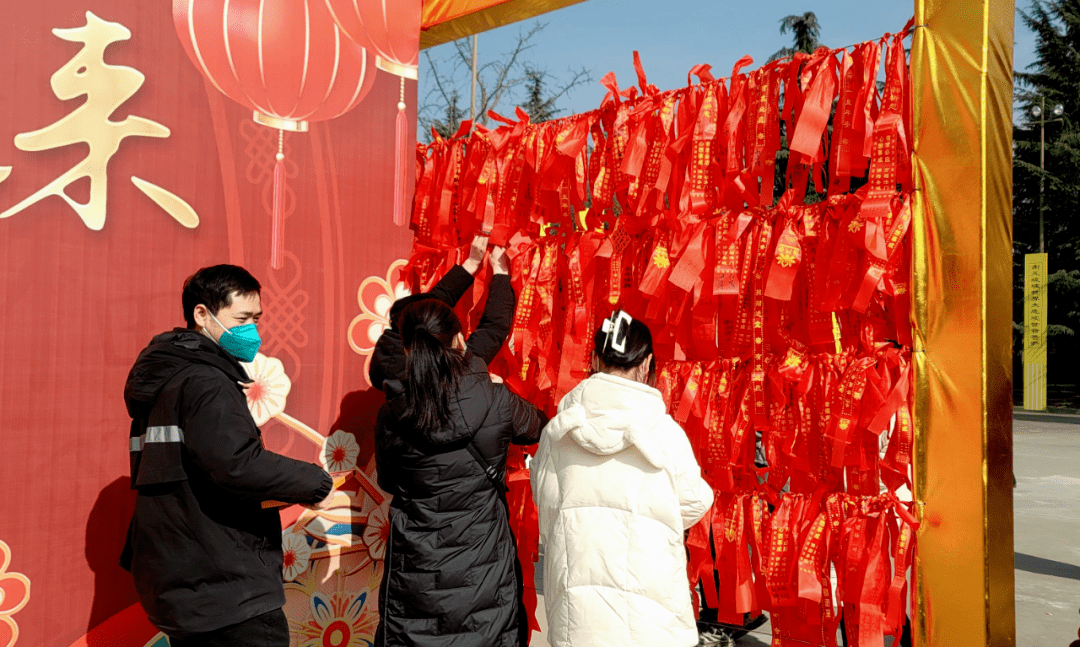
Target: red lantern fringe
(401, 158)
(277, 233)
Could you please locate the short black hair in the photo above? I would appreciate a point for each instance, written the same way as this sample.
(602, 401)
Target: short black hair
(214, 288)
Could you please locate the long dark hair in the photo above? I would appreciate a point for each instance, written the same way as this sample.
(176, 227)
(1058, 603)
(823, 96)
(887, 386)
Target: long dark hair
(434, 367)
(636, 338)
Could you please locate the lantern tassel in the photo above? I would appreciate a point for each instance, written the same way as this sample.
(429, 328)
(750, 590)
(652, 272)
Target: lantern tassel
(277, 234)
(402, 132)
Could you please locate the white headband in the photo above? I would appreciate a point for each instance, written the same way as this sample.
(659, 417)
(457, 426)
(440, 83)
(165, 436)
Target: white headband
(611, 328)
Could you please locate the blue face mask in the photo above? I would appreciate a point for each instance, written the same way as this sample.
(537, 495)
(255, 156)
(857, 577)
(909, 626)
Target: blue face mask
(242, 342)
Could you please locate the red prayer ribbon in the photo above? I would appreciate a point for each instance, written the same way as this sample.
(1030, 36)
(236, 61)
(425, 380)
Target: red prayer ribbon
(772, 319)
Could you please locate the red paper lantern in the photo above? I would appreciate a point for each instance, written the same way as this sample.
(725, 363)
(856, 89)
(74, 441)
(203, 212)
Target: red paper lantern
(392, 30)
(286, 60)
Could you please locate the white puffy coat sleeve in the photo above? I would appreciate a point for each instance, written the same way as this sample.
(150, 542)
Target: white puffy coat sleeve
(695, 495)
(545, 485)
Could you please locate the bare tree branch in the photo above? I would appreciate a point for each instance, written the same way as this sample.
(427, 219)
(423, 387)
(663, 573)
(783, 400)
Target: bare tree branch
(501, 78)
(581, 77)
(437, 78)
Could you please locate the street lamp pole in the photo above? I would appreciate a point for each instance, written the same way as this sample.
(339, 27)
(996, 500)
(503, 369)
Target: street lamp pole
(1042, 168)
(1035, 296)
(1040, 113)
(472, 88)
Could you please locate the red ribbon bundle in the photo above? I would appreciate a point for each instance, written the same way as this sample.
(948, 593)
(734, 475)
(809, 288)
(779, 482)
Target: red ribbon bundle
(771, 318)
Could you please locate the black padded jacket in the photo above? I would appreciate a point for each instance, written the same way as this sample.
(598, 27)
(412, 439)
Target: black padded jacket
(452, 573)
(202, 550)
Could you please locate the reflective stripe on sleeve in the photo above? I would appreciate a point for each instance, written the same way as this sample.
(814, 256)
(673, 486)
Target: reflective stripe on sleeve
(164, 434)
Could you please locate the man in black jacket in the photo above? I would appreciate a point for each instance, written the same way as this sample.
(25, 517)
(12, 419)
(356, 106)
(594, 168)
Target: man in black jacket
(205, 555)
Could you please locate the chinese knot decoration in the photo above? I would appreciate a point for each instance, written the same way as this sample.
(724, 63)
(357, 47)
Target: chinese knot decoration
(779, 314)
(392, 31)
(286, 60)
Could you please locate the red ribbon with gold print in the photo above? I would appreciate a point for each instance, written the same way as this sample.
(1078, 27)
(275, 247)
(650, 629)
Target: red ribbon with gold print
(788, 320)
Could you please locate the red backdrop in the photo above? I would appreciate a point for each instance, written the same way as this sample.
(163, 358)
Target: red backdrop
(78, 304)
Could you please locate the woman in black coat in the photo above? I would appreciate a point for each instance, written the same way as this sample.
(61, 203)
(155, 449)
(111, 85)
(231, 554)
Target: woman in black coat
(452, 575)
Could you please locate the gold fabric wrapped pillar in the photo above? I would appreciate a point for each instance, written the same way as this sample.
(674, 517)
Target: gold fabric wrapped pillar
(962, 72)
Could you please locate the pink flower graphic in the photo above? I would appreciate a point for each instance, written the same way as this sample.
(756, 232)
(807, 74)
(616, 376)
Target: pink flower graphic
(14, 594)
(266, 395)
(375, 297)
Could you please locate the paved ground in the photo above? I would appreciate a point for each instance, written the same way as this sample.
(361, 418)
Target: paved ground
(1047, 542)
(1046, 457)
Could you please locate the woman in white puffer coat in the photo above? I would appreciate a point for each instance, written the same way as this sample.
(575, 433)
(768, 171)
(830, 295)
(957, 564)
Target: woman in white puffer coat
(616, 484)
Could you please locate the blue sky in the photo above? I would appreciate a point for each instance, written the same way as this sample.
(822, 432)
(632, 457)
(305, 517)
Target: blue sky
(675, 35)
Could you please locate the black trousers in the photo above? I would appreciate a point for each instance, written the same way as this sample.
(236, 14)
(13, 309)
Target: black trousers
(268, 630)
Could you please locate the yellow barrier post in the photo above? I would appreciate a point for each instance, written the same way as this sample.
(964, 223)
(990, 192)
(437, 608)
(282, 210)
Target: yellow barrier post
(1035, 310)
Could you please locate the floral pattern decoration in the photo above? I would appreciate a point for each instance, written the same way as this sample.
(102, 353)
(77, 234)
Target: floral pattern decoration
(375, 297)
(333, 554)
(14, 594)
(340, 619)
(266, 395)
(377, 531)
(339, 452)
(297, 555)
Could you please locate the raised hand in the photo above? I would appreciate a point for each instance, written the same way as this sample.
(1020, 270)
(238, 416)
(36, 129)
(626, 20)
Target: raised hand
(476, 253)
(500, 262)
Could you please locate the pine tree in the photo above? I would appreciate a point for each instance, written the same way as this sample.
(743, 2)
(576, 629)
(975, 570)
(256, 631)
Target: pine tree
(448, 124)
(1052, 80)
(538, 103)
(804, 29)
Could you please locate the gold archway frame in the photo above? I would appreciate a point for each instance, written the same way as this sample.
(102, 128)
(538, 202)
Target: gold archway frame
(961, 65)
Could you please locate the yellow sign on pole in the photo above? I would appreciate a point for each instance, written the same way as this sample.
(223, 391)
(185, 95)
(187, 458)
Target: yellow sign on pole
(1035, 332)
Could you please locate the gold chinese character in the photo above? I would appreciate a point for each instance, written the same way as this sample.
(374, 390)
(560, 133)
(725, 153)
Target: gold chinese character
(106, 87)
